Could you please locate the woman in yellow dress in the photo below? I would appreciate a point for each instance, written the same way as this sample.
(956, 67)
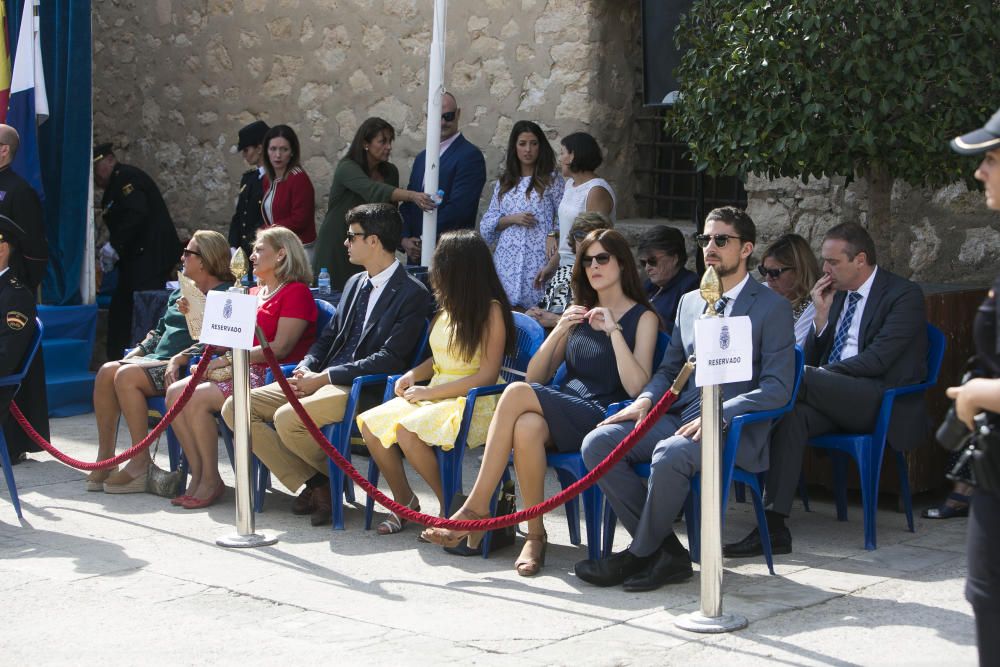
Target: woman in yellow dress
(469, 337)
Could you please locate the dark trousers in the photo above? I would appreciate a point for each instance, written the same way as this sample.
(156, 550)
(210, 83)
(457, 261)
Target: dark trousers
(982, 587)
(32, 399)
(827, 403)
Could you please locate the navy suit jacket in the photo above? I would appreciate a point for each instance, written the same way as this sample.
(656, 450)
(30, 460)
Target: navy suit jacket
(892, 350)
(389, 339)
(773, 378)
(462, 177)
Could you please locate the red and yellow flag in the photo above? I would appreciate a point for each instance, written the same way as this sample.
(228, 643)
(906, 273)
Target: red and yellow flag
(4, 64)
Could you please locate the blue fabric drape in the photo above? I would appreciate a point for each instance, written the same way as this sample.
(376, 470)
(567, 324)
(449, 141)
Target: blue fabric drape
(64, 139)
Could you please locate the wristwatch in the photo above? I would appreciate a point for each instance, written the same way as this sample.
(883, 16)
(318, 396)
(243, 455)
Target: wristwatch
(618, 327)
(554, 235)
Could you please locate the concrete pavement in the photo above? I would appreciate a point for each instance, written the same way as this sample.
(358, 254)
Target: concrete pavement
(91, 578)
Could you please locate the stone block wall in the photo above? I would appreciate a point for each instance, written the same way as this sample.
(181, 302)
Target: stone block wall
(175, 79)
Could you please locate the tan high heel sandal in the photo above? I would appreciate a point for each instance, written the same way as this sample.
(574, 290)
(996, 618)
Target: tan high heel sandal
(529, 567)
(452, 538)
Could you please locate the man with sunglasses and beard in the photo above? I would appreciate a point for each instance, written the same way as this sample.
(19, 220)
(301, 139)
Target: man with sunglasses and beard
(673, 445)
(869, 334)
(462, 175)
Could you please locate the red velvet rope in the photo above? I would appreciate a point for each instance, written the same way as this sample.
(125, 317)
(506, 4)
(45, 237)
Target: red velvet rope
(131, 451)
(493, 523)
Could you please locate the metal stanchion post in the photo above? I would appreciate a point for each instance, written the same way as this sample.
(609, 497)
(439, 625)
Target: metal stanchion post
(245, 536)
(710, 618)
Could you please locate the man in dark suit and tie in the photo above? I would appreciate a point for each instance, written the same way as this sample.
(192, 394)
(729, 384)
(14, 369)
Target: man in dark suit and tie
(376, 330)
(462, 175)
(673, 445)
(869, 334)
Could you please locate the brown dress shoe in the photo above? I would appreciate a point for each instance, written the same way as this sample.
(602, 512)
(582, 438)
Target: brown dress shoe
(323, 506)
(303, 503)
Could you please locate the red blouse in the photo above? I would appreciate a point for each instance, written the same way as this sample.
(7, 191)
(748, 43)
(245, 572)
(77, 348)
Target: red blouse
(294, 204)
(293, 300)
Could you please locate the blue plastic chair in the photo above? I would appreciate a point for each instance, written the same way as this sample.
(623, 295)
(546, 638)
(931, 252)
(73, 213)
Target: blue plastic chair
(530, 335)
(14, 380)
(730, 474)
(867, 449)
(339, 434)
(570, 468)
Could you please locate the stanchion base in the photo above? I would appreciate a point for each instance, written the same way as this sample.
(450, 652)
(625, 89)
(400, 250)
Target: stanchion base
(246, 541)
(697, 622)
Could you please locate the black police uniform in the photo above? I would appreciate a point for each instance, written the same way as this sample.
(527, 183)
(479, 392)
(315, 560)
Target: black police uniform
(20, 203)
(17, 326)
(143, 235)
(248, 217)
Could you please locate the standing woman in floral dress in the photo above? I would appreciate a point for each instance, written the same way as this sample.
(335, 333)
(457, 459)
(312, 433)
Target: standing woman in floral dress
(522, 213)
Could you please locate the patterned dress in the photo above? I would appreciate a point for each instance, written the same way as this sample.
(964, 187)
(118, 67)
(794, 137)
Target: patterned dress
(435, 422)
(520, 251)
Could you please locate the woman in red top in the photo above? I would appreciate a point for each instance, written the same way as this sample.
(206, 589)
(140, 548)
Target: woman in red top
(286, 313)
(289, 199)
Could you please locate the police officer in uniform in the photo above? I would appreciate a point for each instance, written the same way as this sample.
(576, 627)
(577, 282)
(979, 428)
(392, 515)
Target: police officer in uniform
(142, 233)
(248, 217)
(17, 326)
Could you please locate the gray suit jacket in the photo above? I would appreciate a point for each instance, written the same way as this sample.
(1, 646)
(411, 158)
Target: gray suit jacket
(892, 350)
(773, 365)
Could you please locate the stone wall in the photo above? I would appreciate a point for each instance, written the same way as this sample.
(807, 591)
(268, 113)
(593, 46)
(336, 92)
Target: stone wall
(175, 79)
(944, 236)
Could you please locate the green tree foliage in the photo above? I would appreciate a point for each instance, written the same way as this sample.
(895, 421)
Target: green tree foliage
(837, 87)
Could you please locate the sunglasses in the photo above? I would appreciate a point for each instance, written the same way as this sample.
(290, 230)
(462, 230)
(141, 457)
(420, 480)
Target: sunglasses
(652, 261)
(188, 253)
(720, 239)
(579, 236)
(448, 116)
(773, 274)
(601, 258)
(352, 235)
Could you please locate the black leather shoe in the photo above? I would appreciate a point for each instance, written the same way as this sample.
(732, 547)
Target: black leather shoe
(750, 546)
(610, 571)
(663, 569)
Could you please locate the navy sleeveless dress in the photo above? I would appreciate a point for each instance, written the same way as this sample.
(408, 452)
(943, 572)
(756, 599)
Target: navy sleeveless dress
(592, 383)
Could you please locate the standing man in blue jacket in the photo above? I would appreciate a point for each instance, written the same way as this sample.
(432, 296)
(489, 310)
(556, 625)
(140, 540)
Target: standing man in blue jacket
(462, 177)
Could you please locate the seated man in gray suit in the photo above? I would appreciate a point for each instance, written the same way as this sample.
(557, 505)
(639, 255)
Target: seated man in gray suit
(647, 509)
(376, 330)
(856, 351)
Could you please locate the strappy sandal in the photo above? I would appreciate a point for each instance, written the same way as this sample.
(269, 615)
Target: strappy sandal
(452, 538)
(394, 523)
(529, 567)
(958, 509)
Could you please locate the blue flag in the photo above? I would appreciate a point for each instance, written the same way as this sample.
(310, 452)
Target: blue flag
(29, 105)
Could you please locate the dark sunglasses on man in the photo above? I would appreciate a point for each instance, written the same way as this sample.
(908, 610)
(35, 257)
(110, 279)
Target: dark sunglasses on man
(448, 116)
(773, 274)
(720, 239)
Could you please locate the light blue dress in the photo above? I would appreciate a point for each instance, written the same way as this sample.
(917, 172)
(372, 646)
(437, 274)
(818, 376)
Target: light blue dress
(520, 251)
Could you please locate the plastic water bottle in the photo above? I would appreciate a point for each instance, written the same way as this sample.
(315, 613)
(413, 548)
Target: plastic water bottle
(438, 198)
(323, 282)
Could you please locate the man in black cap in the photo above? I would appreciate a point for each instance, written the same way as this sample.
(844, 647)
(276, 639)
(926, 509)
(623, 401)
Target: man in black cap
(142, 234)
(248, 217)
(17, 326)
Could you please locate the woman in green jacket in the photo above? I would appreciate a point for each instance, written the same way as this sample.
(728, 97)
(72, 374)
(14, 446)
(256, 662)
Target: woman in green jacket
(363, 176)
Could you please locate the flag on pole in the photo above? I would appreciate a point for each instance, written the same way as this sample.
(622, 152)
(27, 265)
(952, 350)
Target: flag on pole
(29, 105)
(4, 63)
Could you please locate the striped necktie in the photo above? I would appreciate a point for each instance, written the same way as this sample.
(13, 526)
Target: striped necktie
(840, 339)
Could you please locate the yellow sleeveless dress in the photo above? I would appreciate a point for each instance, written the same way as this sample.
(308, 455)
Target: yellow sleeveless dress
(435, 422)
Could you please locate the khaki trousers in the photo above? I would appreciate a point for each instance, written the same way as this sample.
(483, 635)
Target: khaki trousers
(291, 453)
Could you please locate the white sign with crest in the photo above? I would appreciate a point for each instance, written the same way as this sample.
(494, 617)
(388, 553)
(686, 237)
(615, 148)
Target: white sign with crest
(230, 320)
(724, 348)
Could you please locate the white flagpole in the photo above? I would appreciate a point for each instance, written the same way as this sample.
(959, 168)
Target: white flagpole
(435, 90)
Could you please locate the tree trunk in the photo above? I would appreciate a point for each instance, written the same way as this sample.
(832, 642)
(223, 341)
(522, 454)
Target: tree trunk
(880, 213)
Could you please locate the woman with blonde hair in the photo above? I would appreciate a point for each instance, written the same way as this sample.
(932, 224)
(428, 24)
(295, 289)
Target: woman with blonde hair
(286, 313)
(789, 267)
(122, 387)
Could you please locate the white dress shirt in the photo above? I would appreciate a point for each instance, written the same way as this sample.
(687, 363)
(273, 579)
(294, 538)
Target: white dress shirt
(850, 348)
(378, 287)
(733, 293)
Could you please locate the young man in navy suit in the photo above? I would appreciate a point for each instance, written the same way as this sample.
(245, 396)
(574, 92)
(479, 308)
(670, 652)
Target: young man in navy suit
(462, 177)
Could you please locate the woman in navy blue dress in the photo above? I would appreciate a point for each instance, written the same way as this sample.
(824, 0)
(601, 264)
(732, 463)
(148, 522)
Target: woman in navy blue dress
(606, 338)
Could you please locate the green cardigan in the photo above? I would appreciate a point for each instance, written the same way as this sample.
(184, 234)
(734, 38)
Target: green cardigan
(351, 187)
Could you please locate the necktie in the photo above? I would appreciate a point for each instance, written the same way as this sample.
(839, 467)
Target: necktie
(840, 339)
(360, 308)
(694, 408)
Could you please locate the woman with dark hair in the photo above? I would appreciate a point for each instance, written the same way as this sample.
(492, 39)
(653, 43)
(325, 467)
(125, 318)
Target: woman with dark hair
(289, 199)
(607, 340)
(523, 212)
(790, 268)
(363, 176)
(662, 255)
(469, 337)
(579, 158)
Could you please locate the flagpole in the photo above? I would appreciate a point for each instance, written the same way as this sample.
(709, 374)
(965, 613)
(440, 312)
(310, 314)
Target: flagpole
(435, 90)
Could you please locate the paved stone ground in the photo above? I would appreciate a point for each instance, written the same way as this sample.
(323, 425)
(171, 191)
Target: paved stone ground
(90, 578)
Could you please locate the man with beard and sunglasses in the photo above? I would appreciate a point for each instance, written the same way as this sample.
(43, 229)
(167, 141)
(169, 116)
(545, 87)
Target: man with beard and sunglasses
(869, 334)
(673, 445)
